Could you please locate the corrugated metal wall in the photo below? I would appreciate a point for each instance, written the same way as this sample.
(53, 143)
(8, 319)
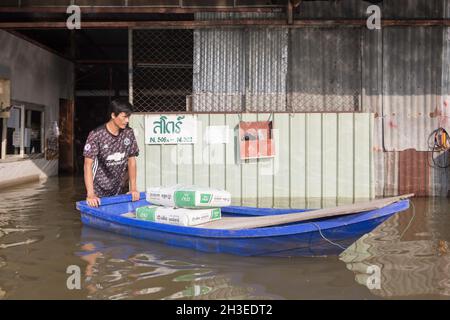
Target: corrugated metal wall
(413, 105)
(400, 74)
(268, 66)
(320, 159)
(409, 171)
(240, 69)
(219, 70)
(248, 69)
(412, 9)
(343, 9)
(325, 69)
(356, 9)
(412, 59)
(238, 15)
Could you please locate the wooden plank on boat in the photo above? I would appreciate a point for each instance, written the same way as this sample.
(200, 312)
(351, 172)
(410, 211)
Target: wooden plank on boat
(231, 223)
(129, 215)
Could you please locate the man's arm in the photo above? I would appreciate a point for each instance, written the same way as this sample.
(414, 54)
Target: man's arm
(132, 174)
(91, 198)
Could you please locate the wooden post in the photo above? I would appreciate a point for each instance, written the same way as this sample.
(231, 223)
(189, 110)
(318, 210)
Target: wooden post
(66, 118)
(290, 12)
(22, 130)
(4, 132)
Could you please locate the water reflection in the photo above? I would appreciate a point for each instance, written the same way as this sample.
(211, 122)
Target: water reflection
(41, 235)
(133, 269)
(127, 268)
(37, 223)
(411, 250)
(2, 264)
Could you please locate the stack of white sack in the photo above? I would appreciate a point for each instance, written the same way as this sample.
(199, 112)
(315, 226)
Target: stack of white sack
(183, 205)
(177, 216)
(188, 197)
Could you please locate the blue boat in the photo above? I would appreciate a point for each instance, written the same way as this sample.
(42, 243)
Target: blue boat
(328, 236)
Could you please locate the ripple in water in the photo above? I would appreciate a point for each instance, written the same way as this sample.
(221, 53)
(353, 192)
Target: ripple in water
(41, 235)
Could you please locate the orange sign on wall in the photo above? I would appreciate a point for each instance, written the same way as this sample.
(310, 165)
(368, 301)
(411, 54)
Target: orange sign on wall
(255, 140)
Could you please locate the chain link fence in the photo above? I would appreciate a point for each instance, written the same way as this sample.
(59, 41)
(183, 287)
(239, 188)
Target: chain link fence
(247, 70)
(162, 69)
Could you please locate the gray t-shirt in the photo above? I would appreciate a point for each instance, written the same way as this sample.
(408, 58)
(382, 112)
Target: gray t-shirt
(110, 154)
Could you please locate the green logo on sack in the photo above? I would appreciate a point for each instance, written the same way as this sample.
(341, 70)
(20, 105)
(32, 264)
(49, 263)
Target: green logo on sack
(146, 213)
(185, 198)
(215, 214)
(205, 198)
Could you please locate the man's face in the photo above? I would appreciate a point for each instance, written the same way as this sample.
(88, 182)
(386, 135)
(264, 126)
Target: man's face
(121, 120)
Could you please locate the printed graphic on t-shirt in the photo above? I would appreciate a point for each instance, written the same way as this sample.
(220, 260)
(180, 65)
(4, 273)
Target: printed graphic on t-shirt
(110, 154)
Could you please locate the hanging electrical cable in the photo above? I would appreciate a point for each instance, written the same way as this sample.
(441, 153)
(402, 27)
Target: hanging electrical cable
(438, 143)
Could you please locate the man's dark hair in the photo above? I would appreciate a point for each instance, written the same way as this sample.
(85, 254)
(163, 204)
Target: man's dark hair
(121, 105)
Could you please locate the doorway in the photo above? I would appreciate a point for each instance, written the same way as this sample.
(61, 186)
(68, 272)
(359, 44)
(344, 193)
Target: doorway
(66, 138)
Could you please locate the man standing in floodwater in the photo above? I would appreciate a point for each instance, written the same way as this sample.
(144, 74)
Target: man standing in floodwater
(110, 157)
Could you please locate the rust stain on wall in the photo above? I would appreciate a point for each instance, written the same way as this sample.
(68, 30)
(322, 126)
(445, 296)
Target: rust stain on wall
(414, 172)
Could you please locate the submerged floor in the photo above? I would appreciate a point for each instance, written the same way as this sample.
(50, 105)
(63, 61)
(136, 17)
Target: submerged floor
(41, 236)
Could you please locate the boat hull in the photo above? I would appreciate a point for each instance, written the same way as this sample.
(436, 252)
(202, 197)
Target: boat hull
(309, 238)
(333, 242)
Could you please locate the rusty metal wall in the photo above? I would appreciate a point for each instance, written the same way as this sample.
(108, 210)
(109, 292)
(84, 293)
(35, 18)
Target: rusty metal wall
(414, 172)
(407, 95)
(412, 60)
(411, 171)
(445, 88)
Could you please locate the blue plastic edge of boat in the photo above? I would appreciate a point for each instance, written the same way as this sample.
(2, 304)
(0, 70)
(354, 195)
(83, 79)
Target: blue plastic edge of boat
(112, 207)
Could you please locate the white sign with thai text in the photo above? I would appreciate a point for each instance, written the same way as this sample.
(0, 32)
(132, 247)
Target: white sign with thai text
(170, 129)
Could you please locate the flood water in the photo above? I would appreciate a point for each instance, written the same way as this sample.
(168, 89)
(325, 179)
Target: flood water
(41, 235)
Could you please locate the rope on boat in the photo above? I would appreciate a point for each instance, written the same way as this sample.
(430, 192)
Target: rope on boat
(338, 245)
(326, 239)
(410, 221)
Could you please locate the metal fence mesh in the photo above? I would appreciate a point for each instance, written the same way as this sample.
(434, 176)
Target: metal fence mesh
(247, 70)
(162, 69)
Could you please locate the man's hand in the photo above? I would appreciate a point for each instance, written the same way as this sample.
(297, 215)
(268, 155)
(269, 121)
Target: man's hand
(134, 195)
(132, 175)
(92, 200)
